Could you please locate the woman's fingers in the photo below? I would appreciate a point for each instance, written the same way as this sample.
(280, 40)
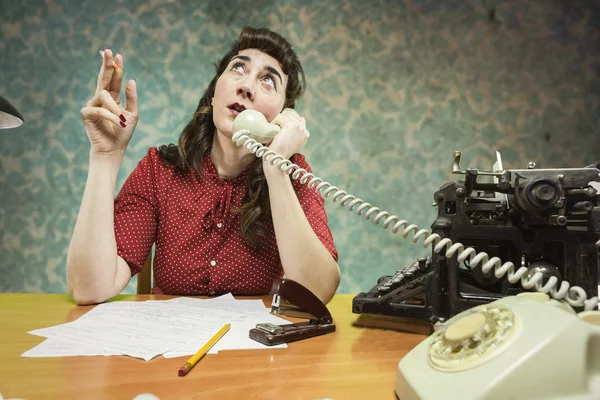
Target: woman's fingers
(106, 71)
(116, 81)
(302, 123)
(293, 122)
(90, 112)
(281, 120)
(131, 97)
(104, 99)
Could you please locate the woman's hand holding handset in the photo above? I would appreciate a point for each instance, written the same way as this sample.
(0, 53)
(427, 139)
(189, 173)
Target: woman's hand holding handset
(109, 125)
(292, 136)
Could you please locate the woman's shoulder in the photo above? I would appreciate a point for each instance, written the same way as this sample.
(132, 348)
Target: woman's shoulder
(302, 190)
(163, 157)
(153, 154)
(300, 160)
(155, 162)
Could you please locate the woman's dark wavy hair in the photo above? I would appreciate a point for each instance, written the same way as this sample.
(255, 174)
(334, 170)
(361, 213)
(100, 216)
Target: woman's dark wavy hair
(197, 137)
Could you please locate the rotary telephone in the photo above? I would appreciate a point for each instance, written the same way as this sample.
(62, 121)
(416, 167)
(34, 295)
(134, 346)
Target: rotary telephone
(524, 346)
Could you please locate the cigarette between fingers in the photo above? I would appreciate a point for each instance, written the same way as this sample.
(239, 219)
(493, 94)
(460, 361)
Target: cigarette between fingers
(114, 64)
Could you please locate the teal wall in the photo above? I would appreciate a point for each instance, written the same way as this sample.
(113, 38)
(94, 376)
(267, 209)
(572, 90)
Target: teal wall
(394, 88)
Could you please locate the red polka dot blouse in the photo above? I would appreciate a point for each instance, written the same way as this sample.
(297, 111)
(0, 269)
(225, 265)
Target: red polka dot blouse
(199, 247)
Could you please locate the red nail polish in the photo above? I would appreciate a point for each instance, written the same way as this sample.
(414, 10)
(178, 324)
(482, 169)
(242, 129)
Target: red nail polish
(123, 125)
(122, 118)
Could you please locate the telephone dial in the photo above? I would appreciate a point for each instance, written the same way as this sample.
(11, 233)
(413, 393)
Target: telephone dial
(532, 345)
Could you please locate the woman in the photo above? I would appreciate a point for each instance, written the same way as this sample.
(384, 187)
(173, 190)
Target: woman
(222, 219)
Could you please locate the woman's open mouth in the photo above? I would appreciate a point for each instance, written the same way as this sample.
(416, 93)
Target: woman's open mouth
(236, 108)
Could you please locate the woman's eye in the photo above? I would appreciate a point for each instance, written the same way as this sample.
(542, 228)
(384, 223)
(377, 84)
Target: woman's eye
(269, 81)
(238, 67)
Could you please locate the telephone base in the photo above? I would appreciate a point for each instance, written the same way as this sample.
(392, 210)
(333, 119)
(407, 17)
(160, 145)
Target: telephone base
(512, 348)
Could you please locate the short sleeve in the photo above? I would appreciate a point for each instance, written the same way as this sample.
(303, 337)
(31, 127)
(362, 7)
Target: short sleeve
(313, 205)
(136, 213)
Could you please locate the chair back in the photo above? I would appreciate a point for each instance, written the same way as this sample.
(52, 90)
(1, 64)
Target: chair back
(144, 277)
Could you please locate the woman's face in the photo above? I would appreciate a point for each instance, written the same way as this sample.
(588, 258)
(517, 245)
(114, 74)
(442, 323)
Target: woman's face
(252, 80)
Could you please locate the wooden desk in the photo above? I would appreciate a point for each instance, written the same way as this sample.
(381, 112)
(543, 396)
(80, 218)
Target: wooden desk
(352, 363)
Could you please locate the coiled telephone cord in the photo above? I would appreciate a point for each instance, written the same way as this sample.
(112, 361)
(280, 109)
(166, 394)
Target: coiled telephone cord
(573, 295)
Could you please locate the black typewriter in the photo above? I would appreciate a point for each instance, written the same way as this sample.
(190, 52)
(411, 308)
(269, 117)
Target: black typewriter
(542, 221)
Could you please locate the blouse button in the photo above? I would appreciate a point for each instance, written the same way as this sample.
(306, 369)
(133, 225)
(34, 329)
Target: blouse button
(213, 263)
(212, 293)
(219, 225)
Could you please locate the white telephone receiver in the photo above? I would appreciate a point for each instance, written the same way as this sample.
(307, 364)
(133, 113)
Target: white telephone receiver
(257, 126)
(513, 348)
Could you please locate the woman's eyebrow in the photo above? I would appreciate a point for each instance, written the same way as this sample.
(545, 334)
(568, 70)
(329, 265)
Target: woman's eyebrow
(275, 72)
(268, 67)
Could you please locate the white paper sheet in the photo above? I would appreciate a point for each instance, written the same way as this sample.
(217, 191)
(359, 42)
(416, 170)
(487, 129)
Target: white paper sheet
(242, 314)
(236, 339)
(54, 347)
(174, 328)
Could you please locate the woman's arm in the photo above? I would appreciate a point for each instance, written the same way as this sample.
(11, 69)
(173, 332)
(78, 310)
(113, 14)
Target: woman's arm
(303, 256)
(94, 271)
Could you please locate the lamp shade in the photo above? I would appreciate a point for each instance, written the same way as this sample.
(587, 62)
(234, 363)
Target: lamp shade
(9, 116)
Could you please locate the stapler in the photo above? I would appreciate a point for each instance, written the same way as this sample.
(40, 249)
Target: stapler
(293, 300)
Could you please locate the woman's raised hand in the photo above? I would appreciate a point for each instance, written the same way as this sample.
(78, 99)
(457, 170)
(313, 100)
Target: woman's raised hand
(109, 125)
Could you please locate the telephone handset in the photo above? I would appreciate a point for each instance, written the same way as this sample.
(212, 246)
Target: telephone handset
(257, 126)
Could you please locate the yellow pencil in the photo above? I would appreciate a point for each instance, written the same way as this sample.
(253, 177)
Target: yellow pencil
(196, 357)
